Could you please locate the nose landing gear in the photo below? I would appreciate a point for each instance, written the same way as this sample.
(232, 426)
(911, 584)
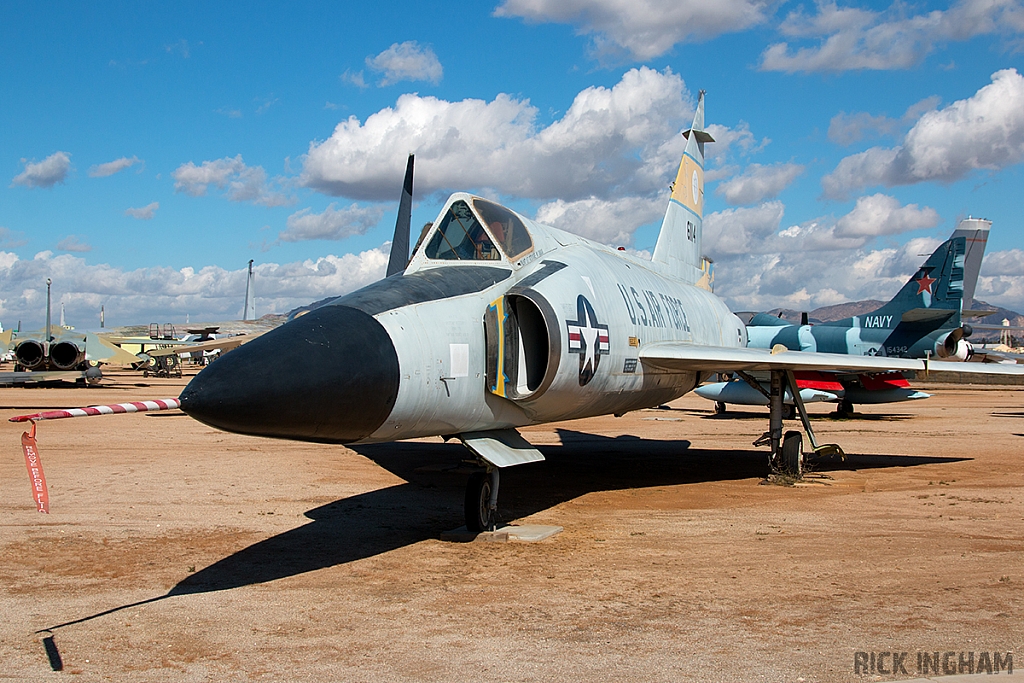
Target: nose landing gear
(482, 500)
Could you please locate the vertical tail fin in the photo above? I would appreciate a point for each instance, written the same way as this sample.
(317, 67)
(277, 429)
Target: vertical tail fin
(679, 242)
(399, 257)
(935, 291)
(975, 231)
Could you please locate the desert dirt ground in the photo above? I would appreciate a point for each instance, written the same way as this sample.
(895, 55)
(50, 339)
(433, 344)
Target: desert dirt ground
(174, 552)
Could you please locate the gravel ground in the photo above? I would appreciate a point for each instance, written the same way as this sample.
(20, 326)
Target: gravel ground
(176, 552)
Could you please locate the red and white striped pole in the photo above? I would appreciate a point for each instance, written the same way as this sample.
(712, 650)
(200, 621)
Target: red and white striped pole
(132, 407)
(28, 439)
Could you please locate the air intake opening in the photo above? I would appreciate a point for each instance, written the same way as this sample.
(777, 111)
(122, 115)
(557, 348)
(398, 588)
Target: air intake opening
(522, 347)
(533, 345)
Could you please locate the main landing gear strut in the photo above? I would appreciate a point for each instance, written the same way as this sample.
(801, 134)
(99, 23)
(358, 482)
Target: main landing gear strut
(787, 456)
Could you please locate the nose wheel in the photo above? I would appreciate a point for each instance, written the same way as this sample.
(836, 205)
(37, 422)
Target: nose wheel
(482, 501)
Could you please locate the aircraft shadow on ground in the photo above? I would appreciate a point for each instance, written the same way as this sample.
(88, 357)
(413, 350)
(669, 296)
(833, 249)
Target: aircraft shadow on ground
(430, 500)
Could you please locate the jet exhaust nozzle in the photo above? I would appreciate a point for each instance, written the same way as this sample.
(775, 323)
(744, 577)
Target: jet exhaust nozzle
(954, 346)
(66, 355)
(30, 354)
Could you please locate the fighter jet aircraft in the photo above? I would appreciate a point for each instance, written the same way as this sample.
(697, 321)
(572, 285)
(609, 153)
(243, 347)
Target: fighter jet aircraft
(498, 322)
(921, 321)
(67, 355)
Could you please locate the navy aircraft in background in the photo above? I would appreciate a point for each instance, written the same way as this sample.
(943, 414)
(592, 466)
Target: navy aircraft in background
(921, 321)
(498, 322)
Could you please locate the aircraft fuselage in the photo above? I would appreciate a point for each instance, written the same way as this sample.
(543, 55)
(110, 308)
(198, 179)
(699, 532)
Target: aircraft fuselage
(449, 348)
(874, 335)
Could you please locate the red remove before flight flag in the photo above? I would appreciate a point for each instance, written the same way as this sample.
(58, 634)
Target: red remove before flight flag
(35, 470)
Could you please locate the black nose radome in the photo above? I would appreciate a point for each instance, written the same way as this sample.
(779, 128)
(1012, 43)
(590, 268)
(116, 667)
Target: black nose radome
(329, 376)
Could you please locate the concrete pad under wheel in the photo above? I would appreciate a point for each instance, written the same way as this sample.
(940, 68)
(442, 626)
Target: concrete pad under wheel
(526, 533)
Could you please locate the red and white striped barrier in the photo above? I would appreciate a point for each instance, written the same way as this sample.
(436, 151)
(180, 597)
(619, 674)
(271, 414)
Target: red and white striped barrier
(28, 440)
(132, 407)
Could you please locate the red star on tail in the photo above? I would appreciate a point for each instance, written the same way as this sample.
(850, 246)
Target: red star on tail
(924, 283)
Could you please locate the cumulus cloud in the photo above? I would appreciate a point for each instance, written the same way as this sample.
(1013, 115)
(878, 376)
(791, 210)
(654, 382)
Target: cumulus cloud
(208, 293)
(881, 214)
(758, 182)
(606, 221)
(741, 231)
(145, 213)
(241, 183)
(601, 170)
(850, 38)
(73, 244)
(610, 142)
(761, 262)
(795, 279)
(1009, 262)
(332, 224)
(728, 141)
(112, 167)
(46, 173)
(355, 78)
(985, 131)
(10, 239)
(758, 229)
(408, 61)
(846, 129)
(1002, 279)
(643, 28)
(731, 144)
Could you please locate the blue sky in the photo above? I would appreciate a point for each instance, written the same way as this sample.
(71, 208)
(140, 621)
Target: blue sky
(151, 149)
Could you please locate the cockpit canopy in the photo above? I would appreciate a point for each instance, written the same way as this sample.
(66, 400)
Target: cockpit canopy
(461, 235)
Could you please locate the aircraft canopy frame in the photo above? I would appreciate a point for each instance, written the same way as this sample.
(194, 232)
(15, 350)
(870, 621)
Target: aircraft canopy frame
(478, 230)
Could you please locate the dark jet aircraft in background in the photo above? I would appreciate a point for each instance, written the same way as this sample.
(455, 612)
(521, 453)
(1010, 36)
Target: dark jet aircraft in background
(65, 355)
(921, 321)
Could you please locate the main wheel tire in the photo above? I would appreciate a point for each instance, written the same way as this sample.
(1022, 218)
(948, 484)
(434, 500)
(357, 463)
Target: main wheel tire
(845, 408)
(478, 502)
(719, 407)
(788, 411)
(793, 454)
